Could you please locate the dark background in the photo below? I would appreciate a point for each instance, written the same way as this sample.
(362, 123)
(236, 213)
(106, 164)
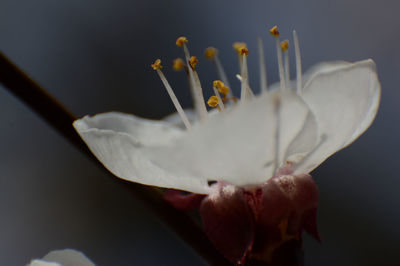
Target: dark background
(94, 56)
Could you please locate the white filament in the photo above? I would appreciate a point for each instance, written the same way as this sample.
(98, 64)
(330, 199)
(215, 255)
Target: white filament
(221, 72)
(299, 81)
(244, 80)
(175, 100)
(263, 69)
(198, 97)
(280, 63)
(287, 67)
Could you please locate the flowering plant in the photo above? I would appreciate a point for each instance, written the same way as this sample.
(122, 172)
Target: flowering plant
(252, 156)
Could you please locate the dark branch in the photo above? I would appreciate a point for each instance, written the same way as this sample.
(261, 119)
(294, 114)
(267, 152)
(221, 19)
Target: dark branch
(54, 113)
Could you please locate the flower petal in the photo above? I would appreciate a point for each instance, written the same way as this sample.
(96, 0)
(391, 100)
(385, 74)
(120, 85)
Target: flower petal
(344, 99)
(175, 119)
(121, 143)
(65, 257)
(237, 145)
(228, 222)
(145, 131)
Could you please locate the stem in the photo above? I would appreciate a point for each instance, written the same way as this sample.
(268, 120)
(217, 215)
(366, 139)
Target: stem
(54, 113)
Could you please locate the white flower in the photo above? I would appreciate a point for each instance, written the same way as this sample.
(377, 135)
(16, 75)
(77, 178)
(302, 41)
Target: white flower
(296, 123)
(65, 257)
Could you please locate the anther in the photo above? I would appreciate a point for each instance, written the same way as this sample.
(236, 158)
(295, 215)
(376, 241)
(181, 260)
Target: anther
(274, 31)
(157, 64)
(237, 46)
(181, 41)
(222, 88)
(210, 53)
(178, 64)
(285, 45)
(193, 61)
(244, 51)
(213, 101)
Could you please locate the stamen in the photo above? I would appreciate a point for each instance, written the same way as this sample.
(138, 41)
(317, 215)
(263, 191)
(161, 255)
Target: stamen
(211, 53)
(237, 46)
(181, 41)
(178, 64)
(249, 90)
(198, 97)
(285, 48)
(220, 101)
(221, 87)
(298, 63)
(157, 66)
(213, 101)
(244, 52)
(193, 62)
(263, 69)
(274, 32)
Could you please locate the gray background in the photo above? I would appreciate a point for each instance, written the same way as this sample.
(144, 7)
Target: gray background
(94, 56)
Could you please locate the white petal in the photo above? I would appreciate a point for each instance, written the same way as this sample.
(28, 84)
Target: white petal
(121, 143)
(145, 131)
(176, 120)
(43, 263)
(236, 146)
(344, 100)
(66, 257)
(304, 142)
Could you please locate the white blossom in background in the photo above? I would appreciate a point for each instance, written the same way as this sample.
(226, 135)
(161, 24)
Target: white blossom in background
(65, 257)
(297, 124)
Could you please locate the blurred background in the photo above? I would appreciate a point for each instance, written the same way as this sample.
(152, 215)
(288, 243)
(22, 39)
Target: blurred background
(95, 56)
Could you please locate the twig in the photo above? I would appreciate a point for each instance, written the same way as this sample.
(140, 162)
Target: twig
(54, 113)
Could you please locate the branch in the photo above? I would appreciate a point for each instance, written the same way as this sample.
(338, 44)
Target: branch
(54, 113)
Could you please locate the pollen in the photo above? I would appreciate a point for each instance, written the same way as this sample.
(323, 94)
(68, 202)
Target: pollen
(178, 64)
(237, 46)
(285, 45)
(222, 88)
(213, 101)
(210, 53)
(181, 41)
(244, 51)
(157, 64)
(193, 61)
(274, 31)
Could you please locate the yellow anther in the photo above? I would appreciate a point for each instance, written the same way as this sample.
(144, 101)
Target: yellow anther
(244, 51)
(218, 84)
(213, 101)
(181, 41)
(224, 90)
(157, 64)
(178, 64)
(193, 61)
(210, 53)
(221, 87)
(237, 46)
(285, 45)
(274, 31)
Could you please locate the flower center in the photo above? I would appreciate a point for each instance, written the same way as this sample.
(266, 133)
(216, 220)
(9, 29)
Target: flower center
(222, 94)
